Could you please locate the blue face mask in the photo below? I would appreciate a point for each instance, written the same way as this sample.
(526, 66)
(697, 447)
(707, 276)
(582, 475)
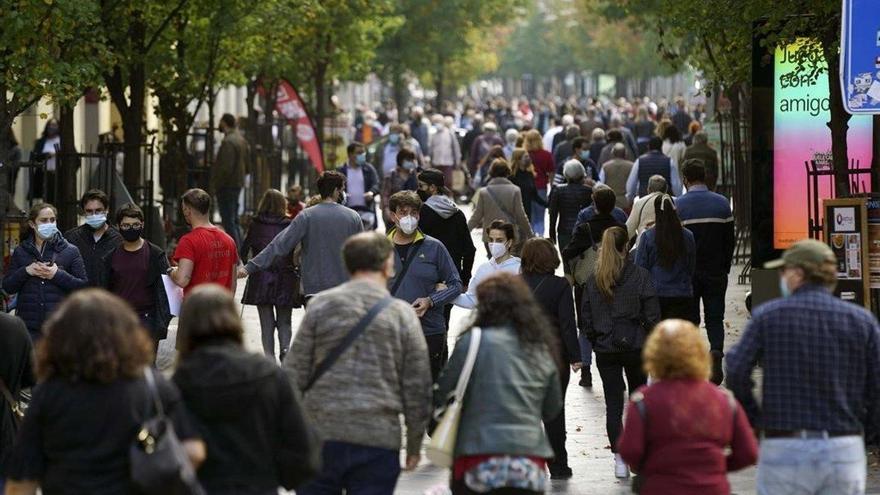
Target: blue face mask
(361, 158)
(408, 165)
(96, 221)
(585, 154)
(47, 230)
(783, 287)
(393, 138)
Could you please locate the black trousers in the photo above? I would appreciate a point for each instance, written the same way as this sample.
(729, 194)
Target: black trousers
(556, 429)
(677, 307)
(612, 367)
(438, 354)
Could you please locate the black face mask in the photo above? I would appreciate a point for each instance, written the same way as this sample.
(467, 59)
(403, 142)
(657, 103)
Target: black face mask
(423, 194)
(131, 235)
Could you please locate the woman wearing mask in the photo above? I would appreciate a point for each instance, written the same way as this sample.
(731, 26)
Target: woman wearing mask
(271, 290)
(539, 263)
(668, 251)
(683, 433)
(134, 270)
(402, 178)
(44, 269)
(524, 178)
(501, 235)
(91, 402)
(500, 199)
(501, 447)
(250, 417)
(619, 308)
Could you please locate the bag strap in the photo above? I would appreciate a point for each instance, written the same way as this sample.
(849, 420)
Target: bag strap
(398, 279)
(469, 361)
(154, 392)
(7, 394)
(491, 194)
(349, 339)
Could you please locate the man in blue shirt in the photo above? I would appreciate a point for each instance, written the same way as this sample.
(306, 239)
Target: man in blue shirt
(820, 358)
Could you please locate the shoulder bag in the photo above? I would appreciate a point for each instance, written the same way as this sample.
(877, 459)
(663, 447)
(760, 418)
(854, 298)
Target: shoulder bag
(584, 264)
(15, 406)
(441, 448)
(411, 256)
(507, 216)
(349, 339)
(158, 462)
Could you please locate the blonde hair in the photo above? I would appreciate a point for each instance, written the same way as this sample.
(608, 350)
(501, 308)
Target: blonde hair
(273, 203)
(532, 141)
(516, 158)
(675, 349)
(612, 254)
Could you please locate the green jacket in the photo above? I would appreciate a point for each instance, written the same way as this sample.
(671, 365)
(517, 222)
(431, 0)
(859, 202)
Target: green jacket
(511, 390)
(232, 162)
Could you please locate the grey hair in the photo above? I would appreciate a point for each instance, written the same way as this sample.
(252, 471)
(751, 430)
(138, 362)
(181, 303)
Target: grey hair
(701, 138)
(573, 170)
(598, 133)
(599, 186)
(618, 150)
(657, 183)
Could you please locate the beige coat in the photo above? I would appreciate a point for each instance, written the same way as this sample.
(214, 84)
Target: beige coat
(505, 205)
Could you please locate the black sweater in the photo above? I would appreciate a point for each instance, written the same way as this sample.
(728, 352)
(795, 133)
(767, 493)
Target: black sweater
(566, 201)
(453, 233)
(555, 296)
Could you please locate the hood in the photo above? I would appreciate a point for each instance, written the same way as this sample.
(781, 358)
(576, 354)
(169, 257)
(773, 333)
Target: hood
(220, 381)
(271, 219)
(444, 206)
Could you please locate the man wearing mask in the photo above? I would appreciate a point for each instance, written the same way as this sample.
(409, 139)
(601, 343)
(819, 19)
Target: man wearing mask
(134, 270)
(362, 183)
(228, 177)
(95, 239)
(385, 158)
(445, 150)
(424, 275)
(322, 229)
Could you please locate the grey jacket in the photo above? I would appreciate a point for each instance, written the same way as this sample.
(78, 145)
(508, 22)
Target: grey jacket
(621, 324)
(322, 229)
(501, 199)
(511, 390)
(384, 374)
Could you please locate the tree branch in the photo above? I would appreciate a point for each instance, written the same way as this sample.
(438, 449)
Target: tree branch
(164, 25)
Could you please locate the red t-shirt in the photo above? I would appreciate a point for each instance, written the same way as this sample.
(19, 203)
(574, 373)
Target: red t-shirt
(213, 254)
(544, 170)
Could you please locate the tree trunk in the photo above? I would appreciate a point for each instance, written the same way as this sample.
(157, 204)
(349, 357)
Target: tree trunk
(320, 82)
(839, 125)
(438, 83)
(399, 89)
(65, 179)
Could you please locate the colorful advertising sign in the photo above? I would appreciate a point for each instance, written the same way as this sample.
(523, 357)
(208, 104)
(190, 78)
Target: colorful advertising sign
(801, 134)
(860, 56)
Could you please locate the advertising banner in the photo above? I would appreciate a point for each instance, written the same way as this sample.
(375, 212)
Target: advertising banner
(290, 106)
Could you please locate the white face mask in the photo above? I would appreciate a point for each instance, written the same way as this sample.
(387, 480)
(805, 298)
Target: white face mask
(497, 249)
(408, 224)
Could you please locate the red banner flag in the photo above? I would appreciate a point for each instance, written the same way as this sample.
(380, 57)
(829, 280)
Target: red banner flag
(290, 106)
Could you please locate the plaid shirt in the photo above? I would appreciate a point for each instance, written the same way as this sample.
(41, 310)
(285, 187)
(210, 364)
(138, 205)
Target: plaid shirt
(821, 364)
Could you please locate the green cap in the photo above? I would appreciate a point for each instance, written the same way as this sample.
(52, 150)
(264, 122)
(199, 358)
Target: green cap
(808, 252)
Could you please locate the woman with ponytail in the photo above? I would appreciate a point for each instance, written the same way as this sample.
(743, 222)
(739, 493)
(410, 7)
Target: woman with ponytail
(619, 307)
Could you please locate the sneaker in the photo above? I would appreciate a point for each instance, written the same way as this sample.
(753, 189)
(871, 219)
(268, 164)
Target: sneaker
(586, 378)
(560, 472)
(621, 470)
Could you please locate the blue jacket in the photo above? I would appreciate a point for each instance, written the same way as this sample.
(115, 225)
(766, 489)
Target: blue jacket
(709, 217)
(432, 266)
(37, 298)
(676, 281)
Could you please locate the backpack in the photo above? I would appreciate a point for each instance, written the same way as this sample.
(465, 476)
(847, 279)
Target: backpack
(584, 265)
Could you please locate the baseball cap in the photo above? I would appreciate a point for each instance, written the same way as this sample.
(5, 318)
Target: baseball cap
(804, 252)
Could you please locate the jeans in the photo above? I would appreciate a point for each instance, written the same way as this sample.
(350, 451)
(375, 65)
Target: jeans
(612, 367)
(833, 466)
(227, 203)
(438, 354)
(272, 317)
(586, 351)
(538, 214)
(356, 469)
(556, 428)
(711, 289)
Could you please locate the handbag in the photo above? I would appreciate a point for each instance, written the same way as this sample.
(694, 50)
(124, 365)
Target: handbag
(441, 448)
(159, 464)
(584, 265)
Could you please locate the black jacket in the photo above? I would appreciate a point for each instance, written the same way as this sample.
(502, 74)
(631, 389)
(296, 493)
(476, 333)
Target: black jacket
(566, 201)
(158, 267)
(247, 413)
(555, 296)
(526, 183)
(453, 233)
(83, 237)
(581, 239)
(371, 183)
(16, 371)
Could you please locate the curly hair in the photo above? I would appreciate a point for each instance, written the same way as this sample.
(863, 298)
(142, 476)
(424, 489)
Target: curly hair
(93, 336)
(675, 349)
(504, 299)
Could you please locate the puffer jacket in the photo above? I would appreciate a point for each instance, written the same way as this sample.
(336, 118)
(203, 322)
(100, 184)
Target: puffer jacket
(37, 298)
(566, 201)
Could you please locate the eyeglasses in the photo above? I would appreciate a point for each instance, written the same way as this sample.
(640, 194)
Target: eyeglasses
(129, 226)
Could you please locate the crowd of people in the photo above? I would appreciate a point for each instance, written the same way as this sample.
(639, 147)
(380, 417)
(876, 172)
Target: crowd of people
(611, 195)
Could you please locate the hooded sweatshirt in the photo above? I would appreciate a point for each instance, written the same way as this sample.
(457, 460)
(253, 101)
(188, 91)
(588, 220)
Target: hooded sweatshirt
(441, 219)
(247, 412)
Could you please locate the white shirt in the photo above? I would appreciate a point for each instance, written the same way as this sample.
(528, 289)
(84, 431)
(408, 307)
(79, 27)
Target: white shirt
(549, 135)
(49, 149)
(355, 186)
(468, 300)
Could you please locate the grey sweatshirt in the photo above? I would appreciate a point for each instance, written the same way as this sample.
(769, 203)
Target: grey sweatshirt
(322, 229)
(384, 374)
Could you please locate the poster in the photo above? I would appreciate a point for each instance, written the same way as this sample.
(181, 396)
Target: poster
(846, 231)
(801, 111)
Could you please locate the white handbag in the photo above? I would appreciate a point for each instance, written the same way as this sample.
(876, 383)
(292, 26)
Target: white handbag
(441, 448)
